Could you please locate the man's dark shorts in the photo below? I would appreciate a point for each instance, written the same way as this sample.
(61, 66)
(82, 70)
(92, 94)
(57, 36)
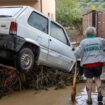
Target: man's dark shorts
(92, 72)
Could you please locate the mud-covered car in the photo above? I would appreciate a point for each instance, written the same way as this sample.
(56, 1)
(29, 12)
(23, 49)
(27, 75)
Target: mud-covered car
(28, 38)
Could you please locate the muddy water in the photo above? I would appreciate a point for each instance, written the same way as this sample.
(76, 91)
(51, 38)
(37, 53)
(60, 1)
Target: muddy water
(50, 97)
(82, 97)
(31, 97)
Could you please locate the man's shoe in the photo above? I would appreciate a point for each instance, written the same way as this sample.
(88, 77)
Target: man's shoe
(100, 99)
(100, 103)
(89, 102)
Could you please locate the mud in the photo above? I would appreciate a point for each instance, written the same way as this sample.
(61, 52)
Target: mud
(49, 97)
(82, 97)
(32, 97)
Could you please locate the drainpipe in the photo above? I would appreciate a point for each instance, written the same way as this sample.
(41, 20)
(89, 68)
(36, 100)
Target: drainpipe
(94, 16)
(41, 6)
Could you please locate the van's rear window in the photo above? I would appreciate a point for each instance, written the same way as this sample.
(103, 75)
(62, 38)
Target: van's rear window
(9, 11)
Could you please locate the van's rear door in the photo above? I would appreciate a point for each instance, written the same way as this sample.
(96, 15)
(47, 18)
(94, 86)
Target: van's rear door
(7, 15)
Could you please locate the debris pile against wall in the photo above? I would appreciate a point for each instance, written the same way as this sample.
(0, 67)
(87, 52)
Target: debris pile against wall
(40, 78)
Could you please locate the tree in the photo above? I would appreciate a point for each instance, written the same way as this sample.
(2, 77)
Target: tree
(68, 13)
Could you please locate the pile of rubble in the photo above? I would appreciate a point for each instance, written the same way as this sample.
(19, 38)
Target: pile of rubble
(39, 78)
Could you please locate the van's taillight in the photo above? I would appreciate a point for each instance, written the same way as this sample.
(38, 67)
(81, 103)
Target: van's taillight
(13, 28)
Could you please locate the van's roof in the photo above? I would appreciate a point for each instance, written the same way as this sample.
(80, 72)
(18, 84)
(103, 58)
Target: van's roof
(24, 6)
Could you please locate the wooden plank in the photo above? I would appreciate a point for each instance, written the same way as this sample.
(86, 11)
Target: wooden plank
(7, 67)
(87, 21)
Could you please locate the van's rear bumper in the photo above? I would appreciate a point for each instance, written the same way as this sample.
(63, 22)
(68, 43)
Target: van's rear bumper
(11, 42)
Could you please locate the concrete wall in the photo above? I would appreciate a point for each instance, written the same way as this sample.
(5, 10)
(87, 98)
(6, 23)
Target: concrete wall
(33, 4)
(45, 6)
(48, 7)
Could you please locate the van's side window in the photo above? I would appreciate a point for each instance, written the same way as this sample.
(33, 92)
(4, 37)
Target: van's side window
(38, 21)
(58, 33)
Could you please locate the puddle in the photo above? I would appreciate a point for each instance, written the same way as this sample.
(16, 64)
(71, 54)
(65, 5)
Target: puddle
(82, 97)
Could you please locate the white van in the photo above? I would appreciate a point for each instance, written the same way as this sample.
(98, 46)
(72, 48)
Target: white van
(28, 37)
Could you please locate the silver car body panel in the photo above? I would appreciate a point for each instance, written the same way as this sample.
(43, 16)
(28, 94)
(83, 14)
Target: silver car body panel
(52, 53)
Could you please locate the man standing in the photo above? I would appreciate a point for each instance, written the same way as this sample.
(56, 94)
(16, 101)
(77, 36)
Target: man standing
(91, 53)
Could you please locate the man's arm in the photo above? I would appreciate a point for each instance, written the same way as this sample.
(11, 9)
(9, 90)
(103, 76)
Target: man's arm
(79, 52)
(103, 43)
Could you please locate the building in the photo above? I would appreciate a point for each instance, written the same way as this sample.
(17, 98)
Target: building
(45, 6)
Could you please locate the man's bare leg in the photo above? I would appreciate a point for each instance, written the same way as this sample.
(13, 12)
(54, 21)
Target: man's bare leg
(98, 83)
(89, 89)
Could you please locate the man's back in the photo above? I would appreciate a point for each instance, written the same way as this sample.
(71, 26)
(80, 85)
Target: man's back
(92, 58)
(92, 50)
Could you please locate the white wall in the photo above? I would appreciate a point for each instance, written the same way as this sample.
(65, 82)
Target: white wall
(48, 7)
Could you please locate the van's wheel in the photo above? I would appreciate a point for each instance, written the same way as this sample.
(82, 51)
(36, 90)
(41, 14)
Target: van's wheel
(25, 60)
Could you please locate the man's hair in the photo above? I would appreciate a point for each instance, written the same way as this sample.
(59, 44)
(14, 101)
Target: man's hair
(90, 31)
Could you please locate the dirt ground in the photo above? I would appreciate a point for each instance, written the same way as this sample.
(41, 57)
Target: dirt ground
(43, 97)
(49, 97)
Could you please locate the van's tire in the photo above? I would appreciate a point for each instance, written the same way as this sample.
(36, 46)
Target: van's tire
(25, 60)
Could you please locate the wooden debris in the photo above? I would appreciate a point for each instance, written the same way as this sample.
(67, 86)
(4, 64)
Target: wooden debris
(39, 78)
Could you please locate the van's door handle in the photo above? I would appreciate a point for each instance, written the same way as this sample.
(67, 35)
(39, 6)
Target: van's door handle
(50, 40)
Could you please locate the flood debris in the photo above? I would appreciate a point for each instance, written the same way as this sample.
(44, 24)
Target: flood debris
(40, 78)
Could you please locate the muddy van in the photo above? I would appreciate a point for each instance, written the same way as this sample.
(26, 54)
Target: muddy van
(30, 38)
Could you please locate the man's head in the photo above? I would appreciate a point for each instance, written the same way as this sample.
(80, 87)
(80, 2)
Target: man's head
(90, 31)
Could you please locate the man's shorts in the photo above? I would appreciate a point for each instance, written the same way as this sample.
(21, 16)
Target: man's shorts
(92, 72)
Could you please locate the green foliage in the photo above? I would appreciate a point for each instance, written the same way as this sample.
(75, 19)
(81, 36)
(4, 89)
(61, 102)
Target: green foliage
(68, 13)
(100, 5)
